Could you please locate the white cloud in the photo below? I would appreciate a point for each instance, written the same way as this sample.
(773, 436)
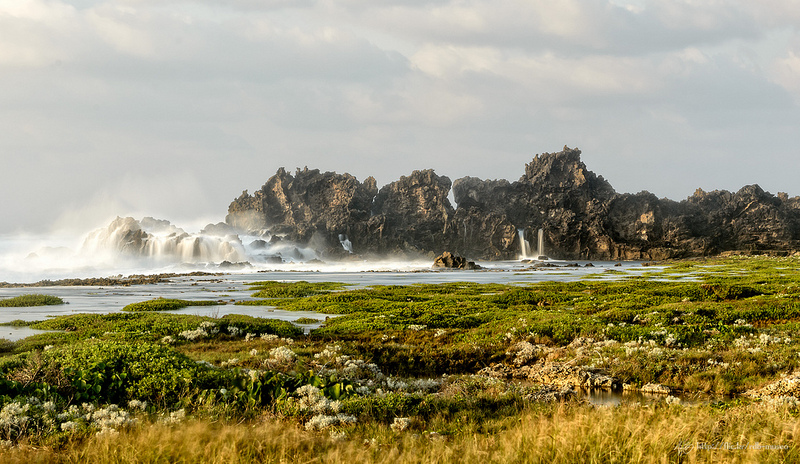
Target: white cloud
(121, 28)
(224, 92)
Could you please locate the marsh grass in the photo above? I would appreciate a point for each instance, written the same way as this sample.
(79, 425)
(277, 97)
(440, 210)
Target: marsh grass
(547, 434)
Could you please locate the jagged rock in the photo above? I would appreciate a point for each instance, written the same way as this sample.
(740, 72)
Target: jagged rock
(412, 214)
(227, 265)
(450, 261)
(580, 213)
(308, 202)
(554, 373)
(785, 387)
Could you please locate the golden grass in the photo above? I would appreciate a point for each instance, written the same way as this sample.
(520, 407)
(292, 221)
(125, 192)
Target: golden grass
(563, 433)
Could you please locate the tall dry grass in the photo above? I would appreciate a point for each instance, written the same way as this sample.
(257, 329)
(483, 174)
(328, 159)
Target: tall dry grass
(563, 433)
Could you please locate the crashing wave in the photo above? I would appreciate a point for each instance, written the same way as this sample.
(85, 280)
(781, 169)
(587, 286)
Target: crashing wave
(161, 242)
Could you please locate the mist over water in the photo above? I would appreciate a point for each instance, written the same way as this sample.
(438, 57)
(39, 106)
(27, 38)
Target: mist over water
(149, 246)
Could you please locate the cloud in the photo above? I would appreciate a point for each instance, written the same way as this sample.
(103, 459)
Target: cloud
(210, 97)
(572, 26)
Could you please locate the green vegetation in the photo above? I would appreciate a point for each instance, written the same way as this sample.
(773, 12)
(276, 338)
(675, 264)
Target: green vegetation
(166, 304)
(30, 300)
(272, 289)
(440, 362)
(149, 326)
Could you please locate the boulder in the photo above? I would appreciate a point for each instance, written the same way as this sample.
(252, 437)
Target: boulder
(450, 261)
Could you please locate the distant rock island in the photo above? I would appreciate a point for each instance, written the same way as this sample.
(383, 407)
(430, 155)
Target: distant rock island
(580, 214)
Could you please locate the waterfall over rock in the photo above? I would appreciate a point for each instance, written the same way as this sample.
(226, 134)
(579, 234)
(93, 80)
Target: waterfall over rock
(162, 242)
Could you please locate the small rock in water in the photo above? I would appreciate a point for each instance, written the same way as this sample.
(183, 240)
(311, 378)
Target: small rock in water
(450, 261)
(656, 388)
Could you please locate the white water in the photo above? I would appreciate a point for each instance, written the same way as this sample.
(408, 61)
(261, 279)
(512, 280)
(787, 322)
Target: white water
(346, 244)
(147, 246)
(540, 249)
(524, 245)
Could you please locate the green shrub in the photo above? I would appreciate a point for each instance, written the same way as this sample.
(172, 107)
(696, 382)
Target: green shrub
(117, 371)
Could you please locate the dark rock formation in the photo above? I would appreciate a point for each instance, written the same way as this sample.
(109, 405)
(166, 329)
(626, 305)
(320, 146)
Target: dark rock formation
(448, 260)
(309, 205)
(412, 214)
(581, 215)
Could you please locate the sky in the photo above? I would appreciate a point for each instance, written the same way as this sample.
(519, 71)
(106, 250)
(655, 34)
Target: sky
(172, 108)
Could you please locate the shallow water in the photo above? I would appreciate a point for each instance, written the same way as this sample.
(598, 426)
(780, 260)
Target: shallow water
(621, 397)
(234, 287)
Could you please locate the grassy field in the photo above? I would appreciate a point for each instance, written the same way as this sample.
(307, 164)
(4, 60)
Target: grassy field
(456, 372)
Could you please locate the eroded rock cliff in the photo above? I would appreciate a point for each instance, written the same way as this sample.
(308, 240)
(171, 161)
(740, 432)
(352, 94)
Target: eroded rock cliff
(580, 213)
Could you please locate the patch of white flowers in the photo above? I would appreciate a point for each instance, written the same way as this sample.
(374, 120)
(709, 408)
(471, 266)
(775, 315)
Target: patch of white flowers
(714, 362)
(206, 329)
(281, 355)
(109, 419)
(14, 418)
(326, 412)
(323, 421)
(230, 362)
(754, 345)
(174, 417)
(136, 404)
(310, 398)
(400, 423)
(30, 415)
(330, 351)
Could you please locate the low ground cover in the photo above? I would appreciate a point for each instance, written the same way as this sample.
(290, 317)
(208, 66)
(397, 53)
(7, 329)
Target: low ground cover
(405, 368)
(166, 304)
(30, 300)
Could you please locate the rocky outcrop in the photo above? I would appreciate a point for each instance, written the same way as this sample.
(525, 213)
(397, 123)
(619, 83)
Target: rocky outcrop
(448, 260)
(786, 387)
(410, 215)
(307, 206)
(581, 215)
(556, 374)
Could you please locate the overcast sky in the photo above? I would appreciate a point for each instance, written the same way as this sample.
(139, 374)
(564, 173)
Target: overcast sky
(172, 108)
